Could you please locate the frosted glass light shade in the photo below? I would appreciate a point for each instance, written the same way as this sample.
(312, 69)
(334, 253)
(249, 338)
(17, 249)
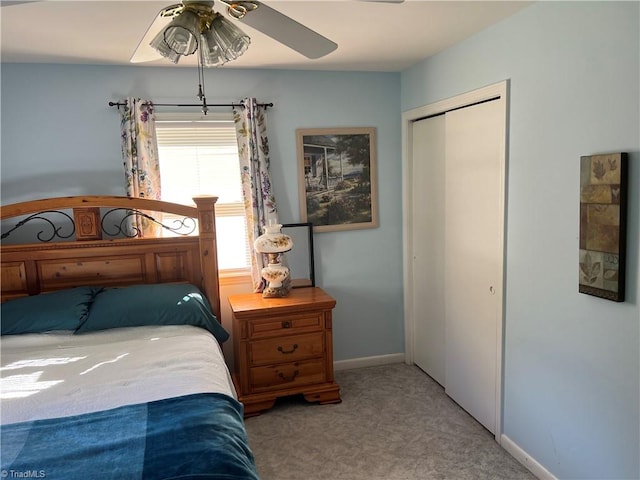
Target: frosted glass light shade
(163, 49)
(181, 35)
(210, 52)
(230, 40)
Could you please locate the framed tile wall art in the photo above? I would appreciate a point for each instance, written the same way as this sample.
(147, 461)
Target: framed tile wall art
(603, 215)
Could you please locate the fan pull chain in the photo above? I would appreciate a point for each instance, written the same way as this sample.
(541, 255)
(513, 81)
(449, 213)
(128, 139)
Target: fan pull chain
(201, 93)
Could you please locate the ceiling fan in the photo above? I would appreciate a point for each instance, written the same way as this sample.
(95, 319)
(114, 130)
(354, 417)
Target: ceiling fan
(253, 13)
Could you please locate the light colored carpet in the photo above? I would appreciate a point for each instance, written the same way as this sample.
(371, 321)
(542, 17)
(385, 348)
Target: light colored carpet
(394, 423)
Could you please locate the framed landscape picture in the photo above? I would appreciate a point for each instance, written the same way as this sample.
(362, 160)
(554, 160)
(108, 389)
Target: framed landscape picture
(337, 178)
(603, 218)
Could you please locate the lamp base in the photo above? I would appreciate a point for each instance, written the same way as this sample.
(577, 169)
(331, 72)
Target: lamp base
(275, 292)
(277, 275)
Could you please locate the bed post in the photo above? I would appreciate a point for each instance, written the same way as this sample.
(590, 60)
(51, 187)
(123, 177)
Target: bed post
(209, 251)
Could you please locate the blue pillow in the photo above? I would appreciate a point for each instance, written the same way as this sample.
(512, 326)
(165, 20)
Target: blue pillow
(59, 310)
(154, 304)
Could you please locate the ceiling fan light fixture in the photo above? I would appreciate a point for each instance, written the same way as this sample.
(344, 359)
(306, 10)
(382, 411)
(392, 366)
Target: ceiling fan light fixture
(198, 28)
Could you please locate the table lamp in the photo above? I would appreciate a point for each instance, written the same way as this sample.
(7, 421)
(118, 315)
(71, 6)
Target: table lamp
(274, 243)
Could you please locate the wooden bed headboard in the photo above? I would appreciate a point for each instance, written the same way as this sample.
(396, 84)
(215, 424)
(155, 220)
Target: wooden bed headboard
(90, 259)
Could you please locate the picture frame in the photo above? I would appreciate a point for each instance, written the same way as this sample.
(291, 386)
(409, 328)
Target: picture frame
(300, 258)
(337, 178)
(603, 225)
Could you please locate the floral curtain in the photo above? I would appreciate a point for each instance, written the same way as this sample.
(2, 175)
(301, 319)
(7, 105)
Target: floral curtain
(259, 201)
(140, 155)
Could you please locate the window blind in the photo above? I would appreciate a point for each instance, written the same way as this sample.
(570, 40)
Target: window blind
(200, 157)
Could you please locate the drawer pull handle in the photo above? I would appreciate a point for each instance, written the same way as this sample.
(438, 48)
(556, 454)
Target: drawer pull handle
(286, 324)
(289, 379)
(295, 347)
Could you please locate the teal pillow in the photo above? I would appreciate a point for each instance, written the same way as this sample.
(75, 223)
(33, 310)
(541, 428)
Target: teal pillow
(154, 304)
(59, 310)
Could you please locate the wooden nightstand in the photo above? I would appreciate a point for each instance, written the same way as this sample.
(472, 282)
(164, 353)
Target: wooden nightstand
(283, 346)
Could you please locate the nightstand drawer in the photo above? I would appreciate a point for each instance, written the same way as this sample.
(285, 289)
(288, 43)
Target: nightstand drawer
(286, 349)
(286, 375)
(286, 325)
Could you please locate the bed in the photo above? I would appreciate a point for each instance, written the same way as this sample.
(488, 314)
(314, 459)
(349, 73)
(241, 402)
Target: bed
(112, 366)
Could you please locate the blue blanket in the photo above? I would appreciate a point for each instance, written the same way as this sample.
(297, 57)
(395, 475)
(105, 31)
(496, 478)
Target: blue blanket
(199, 436)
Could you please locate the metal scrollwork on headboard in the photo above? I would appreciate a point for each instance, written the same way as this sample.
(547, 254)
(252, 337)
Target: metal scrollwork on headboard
(185, 226)
(111, 224)
(56, 231)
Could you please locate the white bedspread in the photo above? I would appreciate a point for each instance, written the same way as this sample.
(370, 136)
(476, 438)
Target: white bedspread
(59, 374)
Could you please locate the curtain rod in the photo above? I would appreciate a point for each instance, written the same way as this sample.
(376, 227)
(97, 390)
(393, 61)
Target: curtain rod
(121, 104)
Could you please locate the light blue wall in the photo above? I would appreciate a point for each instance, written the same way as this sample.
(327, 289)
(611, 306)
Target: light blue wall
(59, 137)
(571, 375)
(571, 366)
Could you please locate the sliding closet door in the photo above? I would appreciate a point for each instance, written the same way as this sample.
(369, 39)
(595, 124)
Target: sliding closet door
(428, 246)
(473, 257)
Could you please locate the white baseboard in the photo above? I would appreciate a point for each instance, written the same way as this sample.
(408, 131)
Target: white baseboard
(368, 361)
(525, 459)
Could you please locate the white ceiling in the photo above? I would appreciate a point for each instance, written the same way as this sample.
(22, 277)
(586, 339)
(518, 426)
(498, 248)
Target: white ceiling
(370, 36)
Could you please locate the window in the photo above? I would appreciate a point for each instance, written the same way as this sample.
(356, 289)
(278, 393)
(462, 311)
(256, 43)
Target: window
(199, 156)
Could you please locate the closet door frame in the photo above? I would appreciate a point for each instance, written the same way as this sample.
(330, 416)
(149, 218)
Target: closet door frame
(498, 91)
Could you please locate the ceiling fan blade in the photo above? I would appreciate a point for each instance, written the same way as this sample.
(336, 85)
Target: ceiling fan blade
(9, 3)
(288, 32)
(144, 52)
